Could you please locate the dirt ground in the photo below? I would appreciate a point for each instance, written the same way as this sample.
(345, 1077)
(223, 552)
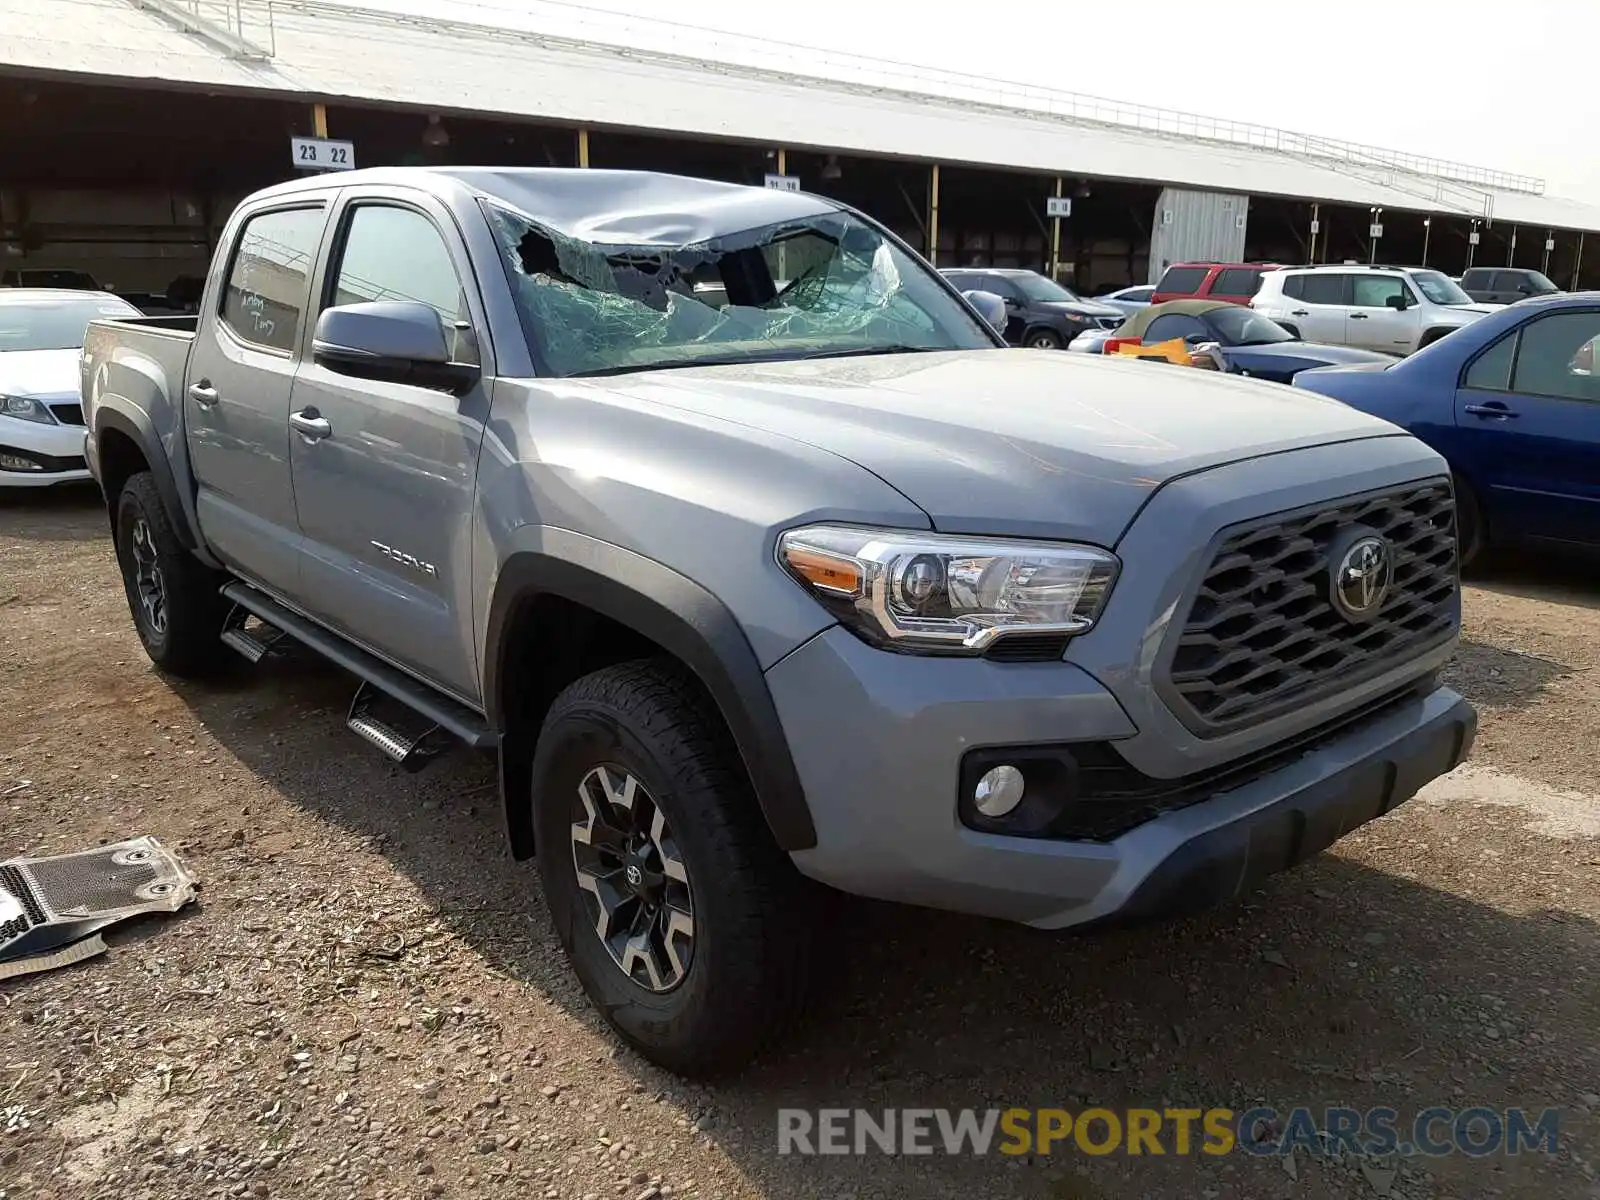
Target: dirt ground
(368, 1002)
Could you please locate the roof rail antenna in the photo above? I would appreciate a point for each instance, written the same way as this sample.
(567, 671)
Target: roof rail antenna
(220, 24)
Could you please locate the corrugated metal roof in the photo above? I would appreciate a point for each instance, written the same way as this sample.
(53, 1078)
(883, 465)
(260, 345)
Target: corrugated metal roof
(325, 52)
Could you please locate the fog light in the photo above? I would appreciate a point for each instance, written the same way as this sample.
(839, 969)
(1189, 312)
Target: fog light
(998, 791)
(13, 462)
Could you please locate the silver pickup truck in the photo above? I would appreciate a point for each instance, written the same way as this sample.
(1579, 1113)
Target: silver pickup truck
(737, 535)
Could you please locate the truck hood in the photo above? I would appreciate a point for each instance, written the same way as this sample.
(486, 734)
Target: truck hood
(1080, 308)
(1012, 441)
(45, 374)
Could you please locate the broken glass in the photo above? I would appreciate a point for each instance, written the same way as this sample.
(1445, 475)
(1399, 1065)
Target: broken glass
(814, 287)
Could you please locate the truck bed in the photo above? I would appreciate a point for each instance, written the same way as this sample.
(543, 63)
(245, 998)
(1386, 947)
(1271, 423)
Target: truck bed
(141, 360)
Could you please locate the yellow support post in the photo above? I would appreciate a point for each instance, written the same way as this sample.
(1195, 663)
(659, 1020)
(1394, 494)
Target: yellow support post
(933, 217)
(319, 120)
(583, 147)
(783, 161)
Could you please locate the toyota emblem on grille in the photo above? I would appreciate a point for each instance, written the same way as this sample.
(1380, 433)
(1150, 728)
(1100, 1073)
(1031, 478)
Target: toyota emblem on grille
(1361, 578)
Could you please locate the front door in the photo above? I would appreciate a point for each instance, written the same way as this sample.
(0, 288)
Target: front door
(1528, 420)
(1373, 323)
(236, 399)
(385, 485)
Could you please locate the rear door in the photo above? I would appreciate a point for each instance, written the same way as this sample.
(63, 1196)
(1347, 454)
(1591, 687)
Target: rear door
(1318, 311)
(385, 495)
(236, 399)
(1528, 424)
(1372, 321)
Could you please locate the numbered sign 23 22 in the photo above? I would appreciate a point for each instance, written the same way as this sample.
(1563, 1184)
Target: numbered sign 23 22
(322, 154)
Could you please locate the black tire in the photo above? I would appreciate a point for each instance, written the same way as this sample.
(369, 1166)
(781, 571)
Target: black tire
(1431, 336)
(753, 914)
(1469, 523)
(1043, 339)
(180, 626)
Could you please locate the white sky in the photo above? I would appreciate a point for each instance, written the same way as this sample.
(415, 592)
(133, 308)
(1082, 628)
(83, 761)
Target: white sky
(1495, 84)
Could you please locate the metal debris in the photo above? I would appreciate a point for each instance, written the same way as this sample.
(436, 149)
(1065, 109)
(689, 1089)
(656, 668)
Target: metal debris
(49, 906)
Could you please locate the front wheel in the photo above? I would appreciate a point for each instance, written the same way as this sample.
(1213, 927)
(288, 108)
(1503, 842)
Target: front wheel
(685, 922)
(173, 596)
(1043, 339)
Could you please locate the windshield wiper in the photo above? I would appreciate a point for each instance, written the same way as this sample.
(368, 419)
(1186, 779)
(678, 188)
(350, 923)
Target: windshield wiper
(860, 351)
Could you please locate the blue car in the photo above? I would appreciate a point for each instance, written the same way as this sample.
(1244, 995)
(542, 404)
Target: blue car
(1512, 401)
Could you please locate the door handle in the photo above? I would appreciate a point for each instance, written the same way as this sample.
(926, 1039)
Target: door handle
(1358, 316)
(1299, 312)
(203, 393)
(310, 424)
(1492, 412)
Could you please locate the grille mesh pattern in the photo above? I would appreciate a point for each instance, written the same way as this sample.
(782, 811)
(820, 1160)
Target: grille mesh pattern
(1262, 632)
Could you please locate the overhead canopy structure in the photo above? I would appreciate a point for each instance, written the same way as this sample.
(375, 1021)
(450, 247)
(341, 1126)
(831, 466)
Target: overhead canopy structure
(330, 52)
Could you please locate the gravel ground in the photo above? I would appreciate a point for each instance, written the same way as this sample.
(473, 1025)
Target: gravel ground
(367, 1001)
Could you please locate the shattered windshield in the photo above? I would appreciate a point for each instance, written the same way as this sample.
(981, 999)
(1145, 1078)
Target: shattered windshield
(811, 288)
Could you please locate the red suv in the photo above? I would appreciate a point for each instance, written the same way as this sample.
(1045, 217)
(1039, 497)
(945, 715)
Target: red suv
(1233, 282)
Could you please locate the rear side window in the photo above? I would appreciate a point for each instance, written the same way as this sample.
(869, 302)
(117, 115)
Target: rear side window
(1325, 289)
(1182, 279)
(1172, 325)
(1294, 286)
(1236, 281)
(269, 277)
(1475, 277)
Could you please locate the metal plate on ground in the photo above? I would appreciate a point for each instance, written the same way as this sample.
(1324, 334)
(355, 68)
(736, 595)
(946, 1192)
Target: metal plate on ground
(48, 903)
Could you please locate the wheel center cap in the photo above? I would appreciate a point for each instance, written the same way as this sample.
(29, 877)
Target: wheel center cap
(634, 874)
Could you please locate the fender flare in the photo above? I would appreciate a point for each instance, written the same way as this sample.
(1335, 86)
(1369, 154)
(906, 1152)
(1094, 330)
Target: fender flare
(137, 428)
(683, 618)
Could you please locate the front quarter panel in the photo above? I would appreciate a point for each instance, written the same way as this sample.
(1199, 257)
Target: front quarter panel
(703, 497)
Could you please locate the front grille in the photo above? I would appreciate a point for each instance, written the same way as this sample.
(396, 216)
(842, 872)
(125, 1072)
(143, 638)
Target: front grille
(1109, 322)
(1262, 634)
(68, 413)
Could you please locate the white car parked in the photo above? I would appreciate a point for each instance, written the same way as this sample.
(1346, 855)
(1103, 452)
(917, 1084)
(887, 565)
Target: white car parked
(41, 420)
(1394, 309)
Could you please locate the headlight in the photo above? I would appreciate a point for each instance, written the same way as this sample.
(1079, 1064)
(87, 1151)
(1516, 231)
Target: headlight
(25, 408)
(931, 593)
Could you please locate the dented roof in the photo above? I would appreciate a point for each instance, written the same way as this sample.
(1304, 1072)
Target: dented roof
(325, 52)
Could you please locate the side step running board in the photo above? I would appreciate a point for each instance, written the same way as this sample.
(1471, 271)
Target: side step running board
(252, 646)
(440, 711)
(412, 753)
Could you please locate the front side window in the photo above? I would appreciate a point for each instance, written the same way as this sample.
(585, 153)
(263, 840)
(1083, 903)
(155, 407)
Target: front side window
(55, 324)
(398, 254)
(1174, 325)
(1043, 290)
(1491, 370)
(1237, 281)
(1557, 357)
(1377, 291)
(812, 287)
(268, 279)
(1245, 327)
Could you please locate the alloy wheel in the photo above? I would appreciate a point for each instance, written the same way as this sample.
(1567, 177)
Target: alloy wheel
(634, 885)
(148, 581)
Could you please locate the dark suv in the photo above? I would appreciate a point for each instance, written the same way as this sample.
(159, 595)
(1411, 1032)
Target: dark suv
(1040, 313)
(1505, 285)
(1233, 282)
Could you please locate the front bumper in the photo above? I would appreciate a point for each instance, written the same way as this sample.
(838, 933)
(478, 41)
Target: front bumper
(56, 452)
(878, 740)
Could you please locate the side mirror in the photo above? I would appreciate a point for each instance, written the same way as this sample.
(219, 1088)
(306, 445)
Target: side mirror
(1398, 303)
(990, 307)
(397, 341)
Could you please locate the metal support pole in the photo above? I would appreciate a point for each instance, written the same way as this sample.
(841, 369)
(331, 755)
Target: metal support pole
(783, 161)
(1577, 264)
(1427, 231)
(1511, 251)
(583, 147)
(1549, 236)
(933, 216)
(1316, 227)
(1055, 236)
(1472, 245)
(319, 120)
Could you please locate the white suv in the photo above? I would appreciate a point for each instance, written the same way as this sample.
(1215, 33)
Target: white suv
(1395, 309)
